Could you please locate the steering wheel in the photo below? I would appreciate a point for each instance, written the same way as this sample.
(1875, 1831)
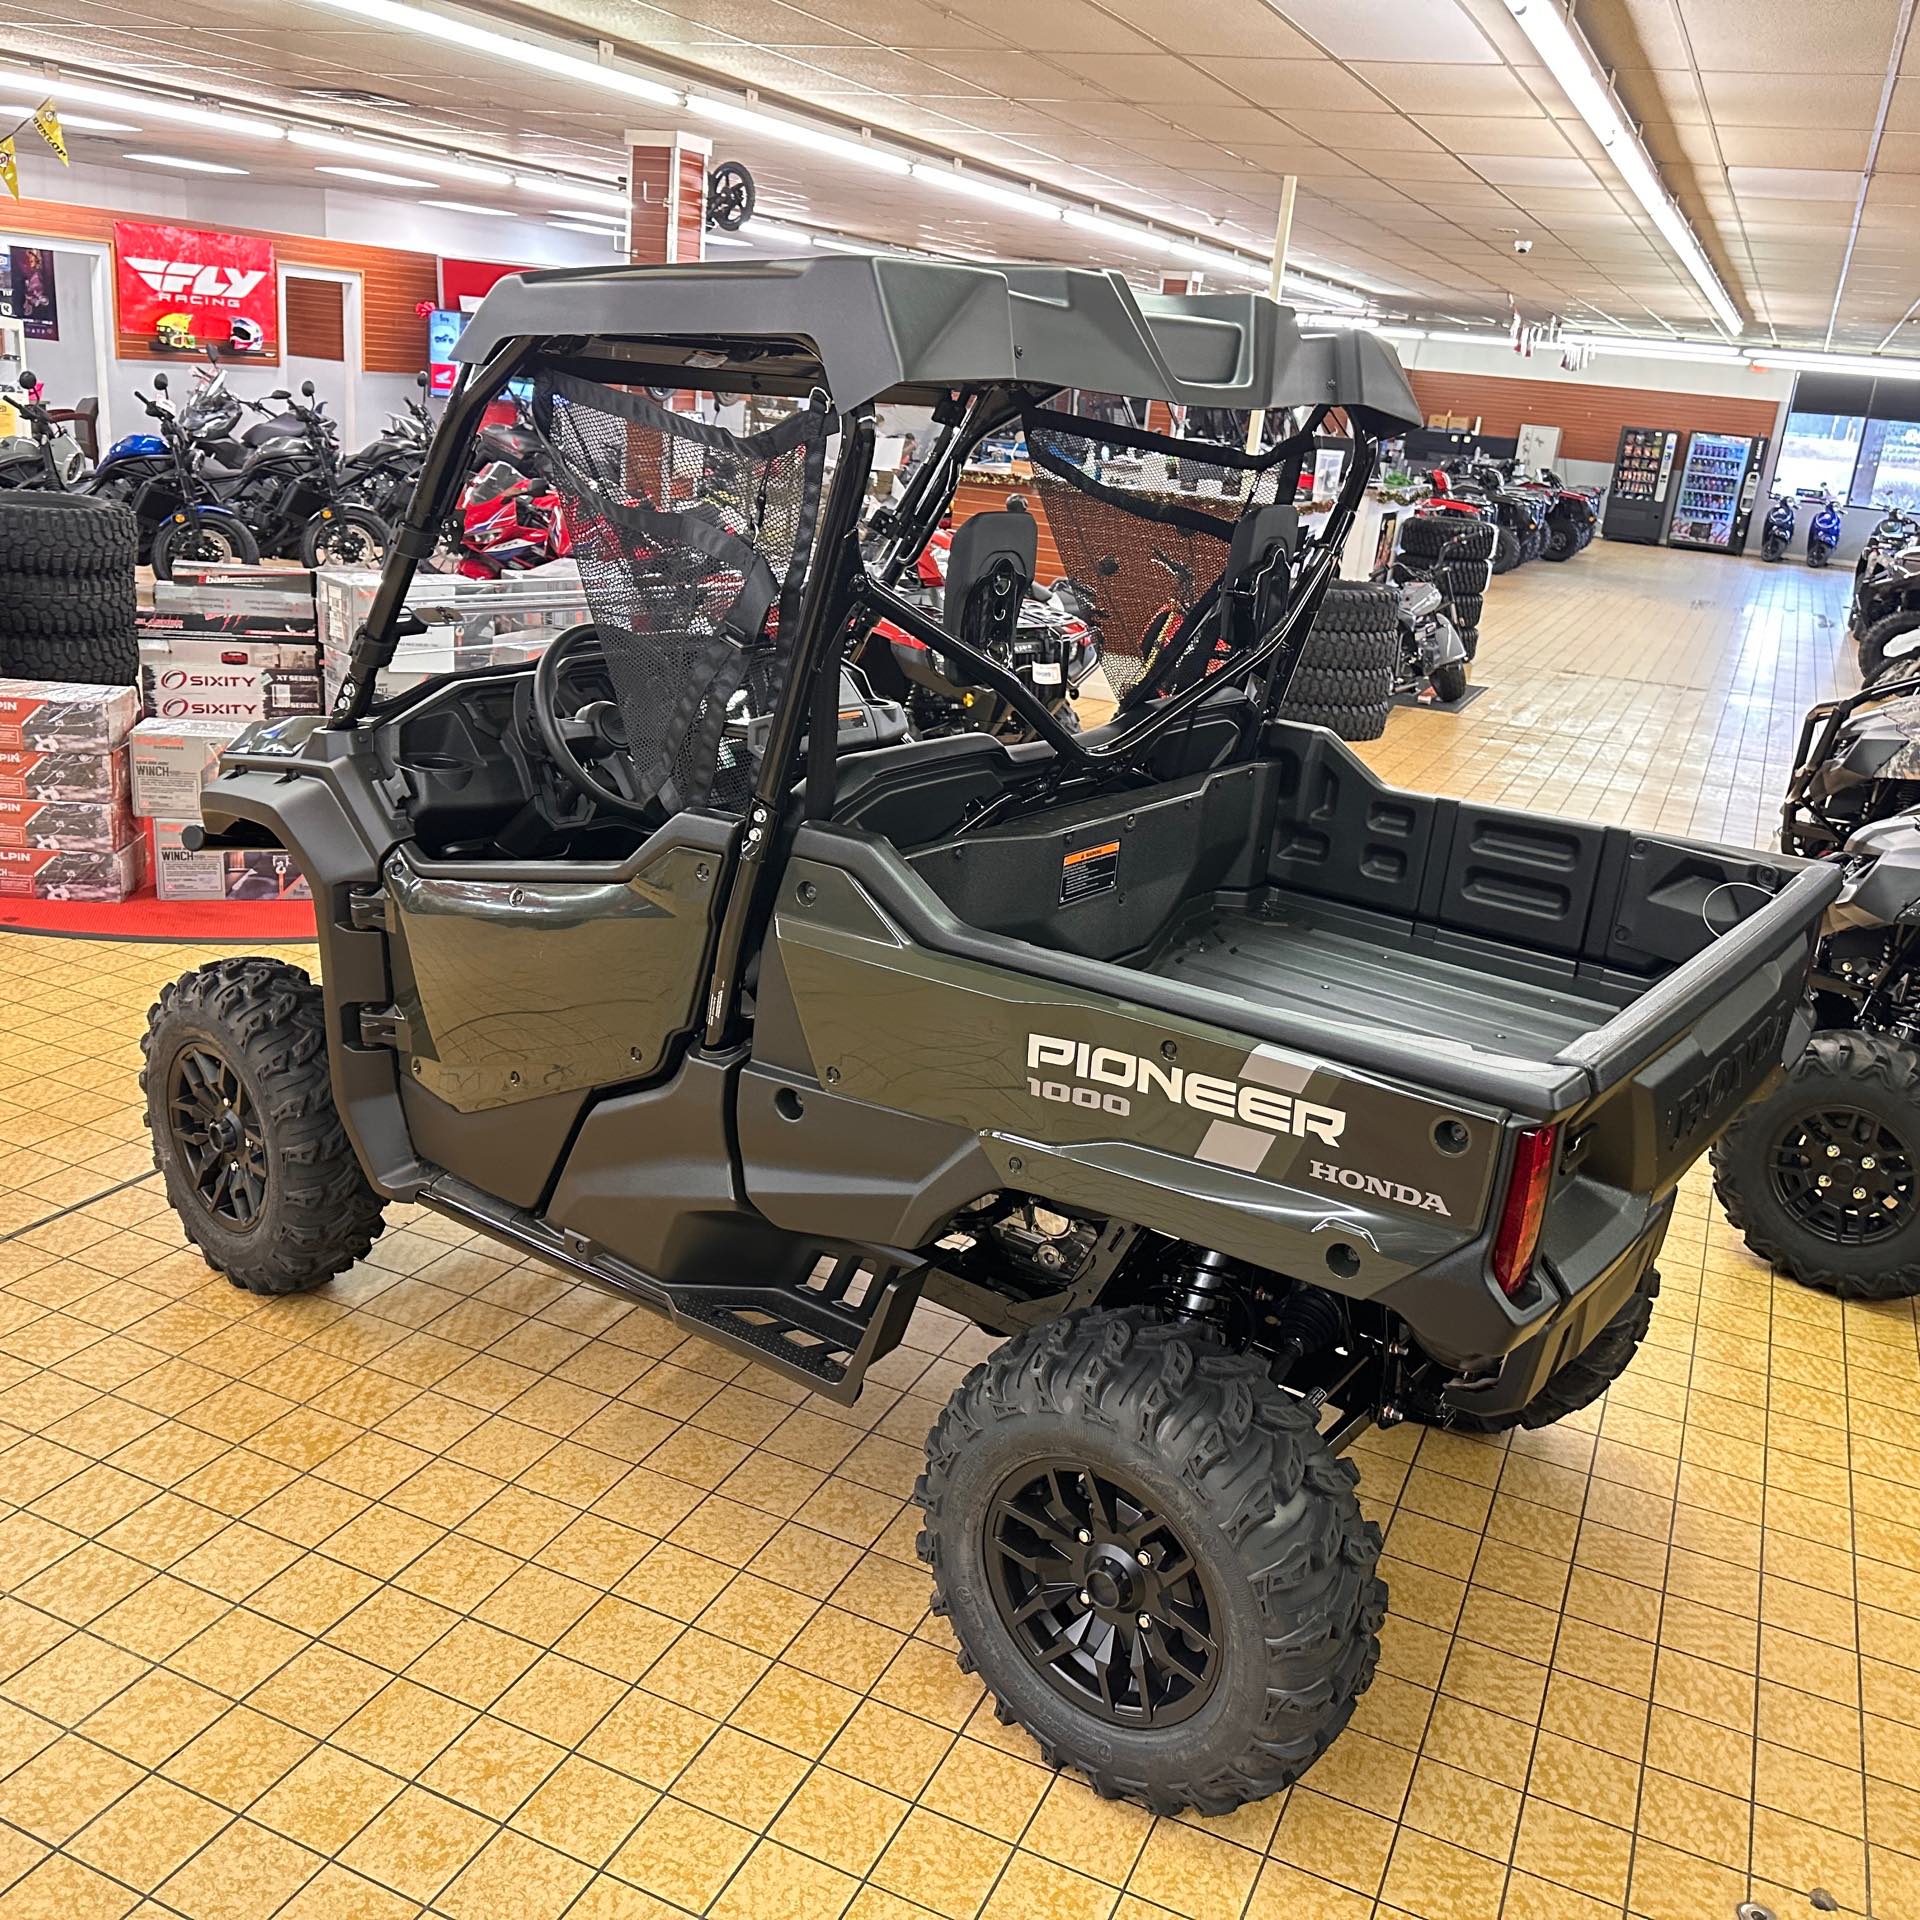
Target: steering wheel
(588, 746)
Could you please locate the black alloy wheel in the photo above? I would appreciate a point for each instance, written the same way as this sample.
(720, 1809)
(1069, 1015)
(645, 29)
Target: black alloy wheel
(1844, 1175)
(1101, 1595)
(218, 1134)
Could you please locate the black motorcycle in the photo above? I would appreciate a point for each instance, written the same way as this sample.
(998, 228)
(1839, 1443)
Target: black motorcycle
(181, 515)
(289, 491)
(383, 473)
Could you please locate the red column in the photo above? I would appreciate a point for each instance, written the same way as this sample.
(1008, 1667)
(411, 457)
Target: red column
(667, 187)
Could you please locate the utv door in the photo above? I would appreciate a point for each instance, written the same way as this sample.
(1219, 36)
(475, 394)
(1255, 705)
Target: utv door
(521, 988)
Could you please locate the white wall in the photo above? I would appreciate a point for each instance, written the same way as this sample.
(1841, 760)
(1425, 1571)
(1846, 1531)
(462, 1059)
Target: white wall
(208, 201)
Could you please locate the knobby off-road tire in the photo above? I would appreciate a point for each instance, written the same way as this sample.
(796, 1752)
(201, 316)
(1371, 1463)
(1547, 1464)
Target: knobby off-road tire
(71, 535)
(1875, 639)
(1580, 1382)
(1450, 681)
(1242, 1490)
(252, 1034)
(1345, 723)
(1427, 536)
(1345, 676)
(1316, 687)
(1562, 542)
(1767, 1165)
(1506, 550)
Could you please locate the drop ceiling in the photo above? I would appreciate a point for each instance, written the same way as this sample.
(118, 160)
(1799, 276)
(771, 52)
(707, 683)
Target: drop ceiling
(1425, 137)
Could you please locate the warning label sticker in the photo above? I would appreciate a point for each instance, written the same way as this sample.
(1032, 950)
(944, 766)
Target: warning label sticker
(1089, 871)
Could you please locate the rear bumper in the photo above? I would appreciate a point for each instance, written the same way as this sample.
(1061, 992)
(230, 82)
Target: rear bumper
(1524, 1371)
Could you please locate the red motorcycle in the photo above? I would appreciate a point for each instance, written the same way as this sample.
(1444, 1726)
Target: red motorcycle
(508, 523)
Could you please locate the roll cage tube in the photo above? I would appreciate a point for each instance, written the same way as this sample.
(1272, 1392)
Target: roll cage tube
(874, 601)
(388, 622)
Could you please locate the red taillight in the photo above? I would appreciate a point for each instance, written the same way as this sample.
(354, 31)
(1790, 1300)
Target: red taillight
(1526, 1201)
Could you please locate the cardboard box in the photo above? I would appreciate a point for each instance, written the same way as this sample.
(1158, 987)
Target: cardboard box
(171, 761)
(235, 681)
(80, 826)
(45, 714)
(61, 773)
(49, 873)
(232, 873)
(245, 593)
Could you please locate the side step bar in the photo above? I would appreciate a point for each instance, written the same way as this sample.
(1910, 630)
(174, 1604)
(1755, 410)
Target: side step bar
(824, 1332)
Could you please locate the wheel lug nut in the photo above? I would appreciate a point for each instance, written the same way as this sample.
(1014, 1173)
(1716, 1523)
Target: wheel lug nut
(1085, 1538)
(1859, 1193)
(1146, 1620)
(1867, 1163)
(1144, 1557)
(1084, 1601)
(1833, 1153)
(1825, 1180)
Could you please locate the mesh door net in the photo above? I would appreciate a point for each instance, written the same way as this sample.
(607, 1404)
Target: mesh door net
(1144, 526)
(692, 544)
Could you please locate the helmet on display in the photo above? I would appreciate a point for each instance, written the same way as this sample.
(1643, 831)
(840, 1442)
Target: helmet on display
(246, 336)
(174, 331)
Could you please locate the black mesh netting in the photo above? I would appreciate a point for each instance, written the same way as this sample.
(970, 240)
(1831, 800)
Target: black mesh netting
(1144, 526)
(692, 544)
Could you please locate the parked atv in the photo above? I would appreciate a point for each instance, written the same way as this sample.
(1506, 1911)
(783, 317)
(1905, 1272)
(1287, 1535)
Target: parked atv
(1572, 513)
(1823, 1175)
(1886, 614)
(1892, 535)
(1248, 1100)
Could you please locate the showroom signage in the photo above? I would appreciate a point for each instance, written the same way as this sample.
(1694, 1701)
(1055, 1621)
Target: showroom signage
(187, 290)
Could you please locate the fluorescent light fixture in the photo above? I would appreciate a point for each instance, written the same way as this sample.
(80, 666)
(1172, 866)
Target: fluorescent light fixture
(727, 240)
(580, 195)
(1343, 322)
(1402, 333)
(468, 34)
(830, 146)
(1212, 260)
(1883, 369)
(1137, 238)
(599, 233)
(1548, 25)
(451, 166)
(613, 222)
(468, 206)
(834, 244)
(992, 191)
(772, 232)
(236, 122)
(1320, 290)
(180, 161)
(375, 178)
(1638, 347)
(78, 122)
(1471, 339)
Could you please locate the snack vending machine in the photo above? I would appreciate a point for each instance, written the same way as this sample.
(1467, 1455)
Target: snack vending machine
(1641, 497)
(1717, 489)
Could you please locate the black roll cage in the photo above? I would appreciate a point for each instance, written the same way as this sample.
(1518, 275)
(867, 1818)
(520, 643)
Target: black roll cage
(845, 595)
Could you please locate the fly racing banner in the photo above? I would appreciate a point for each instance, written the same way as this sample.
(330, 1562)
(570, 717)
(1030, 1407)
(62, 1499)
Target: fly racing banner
(185, 290)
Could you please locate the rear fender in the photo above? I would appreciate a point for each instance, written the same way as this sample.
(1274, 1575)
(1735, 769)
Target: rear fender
(311, 790)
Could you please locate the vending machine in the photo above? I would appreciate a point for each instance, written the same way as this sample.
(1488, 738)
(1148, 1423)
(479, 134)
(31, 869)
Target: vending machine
(1717, 489)
(1640, 500)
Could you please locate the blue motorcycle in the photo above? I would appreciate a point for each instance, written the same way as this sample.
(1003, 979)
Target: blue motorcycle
(1777, 535)
(1824, 534)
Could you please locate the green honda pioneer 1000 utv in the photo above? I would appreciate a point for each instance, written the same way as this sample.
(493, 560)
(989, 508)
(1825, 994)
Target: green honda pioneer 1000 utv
(1252, 1100)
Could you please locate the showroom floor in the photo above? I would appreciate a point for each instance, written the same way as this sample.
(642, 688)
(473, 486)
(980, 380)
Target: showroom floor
(458, 1588)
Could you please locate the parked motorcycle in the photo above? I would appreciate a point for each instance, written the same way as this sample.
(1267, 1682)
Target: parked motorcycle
(509, 523)
(180, 516)
(1823, 535)
(1777, 535)
(1433, 648)
(45, 457)
(383, 473)
(288, 488)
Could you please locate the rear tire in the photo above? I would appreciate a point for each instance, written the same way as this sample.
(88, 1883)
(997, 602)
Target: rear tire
(1562, 544)
(245, 1133)
(1767, 1165)
(1579, 1383)
(196, 540)
(1085, 1457)
(1506, 550)
(1875, 640)
(1449, 682)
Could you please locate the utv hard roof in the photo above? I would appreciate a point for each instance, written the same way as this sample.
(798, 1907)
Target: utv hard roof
(887, 328)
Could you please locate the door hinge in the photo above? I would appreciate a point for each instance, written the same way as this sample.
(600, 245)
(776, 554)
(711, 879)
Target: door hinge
(367, 909)
(385, 1027)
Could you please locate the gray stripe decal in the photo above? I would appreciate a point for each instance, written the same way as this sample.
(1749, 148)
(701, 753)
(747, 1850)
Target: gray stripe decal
(1228, 1144)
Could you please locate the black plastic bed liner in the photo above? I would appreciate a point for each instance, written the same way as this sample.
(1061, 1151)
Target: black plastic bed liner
(1374, 972)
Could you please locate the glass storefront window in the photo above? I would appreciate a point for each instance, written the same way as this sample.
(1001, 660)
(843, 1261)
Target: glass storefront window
(1888, 473)
(1820, 450)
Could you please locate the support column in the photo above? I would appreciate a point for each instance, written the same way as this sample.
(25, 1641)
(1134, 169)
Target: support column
(667, 192)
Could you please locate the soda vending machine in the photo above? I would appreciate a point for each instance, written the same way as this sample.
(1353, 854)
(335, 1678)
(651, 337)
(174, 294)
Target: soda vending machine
(1641, 497)
(1717, 489)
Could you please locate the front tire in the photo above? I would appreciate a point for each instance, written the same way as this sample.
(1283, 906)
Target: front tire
(1506, 550)
(1149, 1555)
(345, 536)
(1562, 542)
(1449, 682)
(1845, 1221)
(245, 1132)
(202, 542)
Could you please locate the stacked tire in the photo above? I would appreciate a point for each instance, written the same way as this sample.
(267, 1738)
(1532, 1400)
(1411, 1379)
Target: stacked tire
(1469, 546)
(1345, 676)
(67, 589)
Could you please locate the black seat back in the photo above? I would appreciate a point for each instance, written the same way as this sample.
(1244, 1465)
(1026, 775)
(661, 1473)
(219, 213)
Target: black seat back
(1253, 592)
(989, 569)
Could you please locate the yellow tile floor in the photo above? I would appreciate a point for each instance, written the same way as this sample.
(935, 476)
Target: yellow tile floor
(457, 1589)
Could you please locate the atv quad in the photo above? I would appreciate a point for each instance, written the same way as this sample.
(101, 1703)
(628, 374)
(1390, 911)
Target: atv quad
(1823, 1175)
(1250, 1100)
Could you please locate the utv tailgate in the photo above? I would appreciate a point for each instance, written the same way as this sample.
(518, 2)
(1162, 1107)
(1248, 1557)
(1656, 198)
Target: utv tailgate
(1671, 1070)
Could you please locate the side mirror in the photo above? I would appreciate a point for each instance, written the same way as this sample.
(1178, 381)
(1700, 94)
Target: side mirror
(160, 382)
(27, 380)
(420, 380)
(306, 388)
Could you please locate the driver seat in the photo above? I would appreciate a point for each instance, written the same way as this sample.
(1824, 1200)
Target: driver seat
(990, 566)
